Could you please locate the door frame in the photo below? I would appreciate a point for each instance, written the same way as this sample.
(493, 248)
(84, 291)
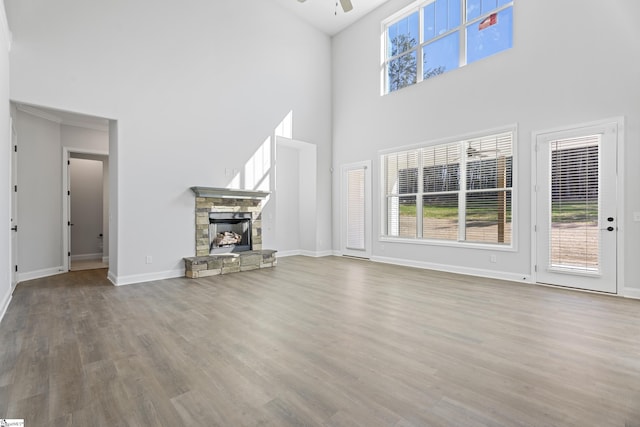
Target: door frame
(618, 123)
(366, 253)
(66, 200)
(13, 210)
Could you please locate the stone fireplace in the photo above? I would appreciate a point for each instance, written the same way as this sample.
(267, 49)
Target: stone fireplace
(213, 205)
(228, 232)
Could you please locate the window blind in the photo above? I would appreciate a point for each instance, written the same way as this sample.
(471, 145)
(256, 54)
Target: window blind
(489, 163)
(356, 209)
(458, 191)
(574, 207)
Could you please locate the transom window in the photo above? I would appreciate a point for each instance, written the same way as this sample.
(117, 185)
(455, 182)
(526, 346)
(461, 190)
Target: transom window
(459, 191)
(431, 37)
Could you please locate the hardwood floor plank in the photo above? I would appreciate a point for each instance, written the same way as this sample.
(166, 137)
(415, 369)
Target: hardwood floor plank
(319, 342)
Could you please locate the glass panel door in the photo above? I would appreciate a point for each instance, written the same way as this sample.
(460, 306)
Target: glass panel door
(576, 208)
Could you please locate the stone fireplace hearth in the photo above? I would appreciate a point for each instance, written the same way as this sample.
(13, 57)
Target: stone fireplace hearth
(217, 251)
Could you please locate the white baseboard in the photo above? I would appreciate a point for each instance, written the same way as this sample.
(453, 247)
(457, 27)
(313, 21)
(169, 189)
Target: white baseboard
(491, 274)
(112, 277)
(5, 304)
(105, 259)
(37, 274)
(316, 254)
(86, 257)
(631, 293)
(146, 277)
(313, 254)
(284, 254)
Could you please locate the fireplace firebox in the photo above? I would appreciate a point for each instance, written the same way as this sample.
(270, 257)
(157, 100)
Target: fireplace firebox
(229, 232)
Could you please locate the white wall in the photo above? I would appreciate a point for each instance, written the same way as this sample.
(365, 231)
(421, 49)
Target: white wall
(39, 196)
(84, 138)
(570, 64)
(86, 178)
(287, 215)
(5, 162)
(189, 85)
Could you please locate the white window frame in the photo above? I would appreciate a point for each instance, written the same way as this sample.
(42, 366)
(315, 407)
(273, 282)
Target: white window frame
(384, 237)
(417, 7)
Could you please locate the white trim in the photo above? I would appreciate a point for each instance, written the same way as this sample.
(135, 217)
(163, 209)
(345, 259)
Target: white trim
(620, 206)
(66, 155)
(112, 277)
(5, 305)
(491, 274)
(85, 125)
(284, 254)
(105, 259)
(449, 243)
(4, 29)
(301, 252)
(513, 246)
(461, 29)
(631, 293)
(456, 138)
(87, 257)
(619, 123)
(37, 274)
(38, 113)
(315, 254)
(65, 121)
(368, 214)
(146, 277)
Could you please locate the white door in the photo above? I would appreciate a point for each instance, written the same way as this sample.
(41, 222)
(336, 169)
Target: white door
(577, 208)
(356, 209)
(14, 206)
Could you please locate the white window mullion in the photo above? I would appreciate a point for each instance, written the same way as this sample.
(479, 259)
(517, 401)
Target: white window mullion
(462, 42)
(419, 198)
(462, 195)
(419, 58)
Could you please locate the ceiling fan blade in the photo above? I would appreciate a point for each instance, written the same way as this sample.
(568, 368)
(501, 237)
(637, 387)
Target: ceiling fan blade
(346, 5)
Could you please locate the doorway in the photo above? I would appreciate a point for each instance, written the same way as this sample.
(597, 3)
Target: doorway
(577, 207)
(86, 216)
(295, 197)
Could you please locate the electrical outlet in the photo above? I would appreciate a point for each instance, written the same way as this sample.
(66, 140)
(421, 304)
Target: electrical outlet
(493, 258)
(149, 259)
(636, 216)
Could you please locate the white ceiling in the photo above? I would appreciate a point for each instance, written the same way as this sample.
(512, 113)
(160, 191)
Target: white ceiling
(322, 13)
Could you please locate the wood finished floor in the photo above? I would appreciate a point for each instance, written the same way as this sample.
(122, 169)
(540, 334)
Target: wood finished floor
(317, 342)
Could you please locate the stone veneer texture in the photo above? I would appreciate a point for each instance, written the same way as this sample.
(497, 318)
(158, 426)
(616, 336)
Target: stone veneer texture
(204, 205)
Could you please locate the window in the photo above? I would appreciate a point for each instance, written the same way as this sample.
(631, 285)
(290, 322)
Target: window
(432, 37)
(459, 191)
